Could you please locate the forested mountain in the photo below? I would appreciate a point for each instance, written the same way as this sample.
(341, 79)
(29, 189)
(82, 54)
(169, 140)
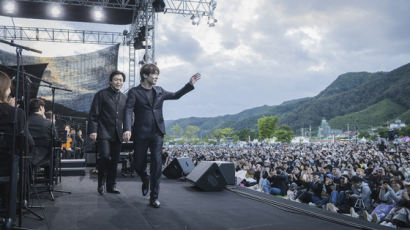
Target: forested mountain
(361, 98)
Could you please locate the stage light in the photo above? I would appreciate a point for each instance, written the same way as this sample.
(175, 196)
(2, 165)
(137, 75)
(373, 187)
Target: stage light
(158, 5)
(98, 14)
(212, 21)
(195, 20)
(9, 7)
(55, 11)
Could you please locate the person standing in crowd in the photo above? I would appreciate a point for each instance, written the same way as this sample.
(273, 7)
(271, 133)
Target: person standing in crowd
(41, 130)
(146, 101)
(105, 125)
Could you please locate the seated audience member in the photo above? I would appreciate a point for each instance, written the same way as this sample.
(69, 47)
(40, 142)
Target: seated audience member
(400, 214)
(279, 181)
(360, 196)
(388, 196)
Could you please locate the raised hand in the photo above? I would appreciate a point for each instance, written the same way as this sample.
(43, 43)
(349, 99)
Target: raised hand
(195, 78)
(126, 136)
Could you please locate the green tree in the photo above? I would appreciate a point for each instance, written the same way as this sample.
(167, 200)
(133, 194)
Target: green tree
(364, 134)
(244, 134)
(191, 131)
(284, 134)
(266, 127)
(383, 132)
(223, 133)
(177, 131)
(405, 131)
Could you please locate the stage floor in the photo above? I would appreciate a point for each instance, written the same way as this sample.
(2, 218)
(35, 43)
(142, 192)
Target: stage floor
(182, 207)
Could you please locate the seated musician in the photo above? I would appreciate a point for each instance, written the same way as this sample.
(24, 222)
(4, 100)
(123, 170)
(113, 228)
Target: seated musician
(40, 129)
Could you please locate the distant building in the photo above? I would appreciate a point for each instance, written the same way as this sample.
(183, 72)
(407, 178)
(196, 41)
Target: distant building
(324, 129)
(397, 124)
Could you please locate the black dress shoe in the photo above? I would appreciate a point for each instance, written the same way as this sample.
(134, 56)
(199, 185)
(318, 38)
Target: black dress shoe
(145, 186)
(113, 190)
(100, 189)
(155, 203)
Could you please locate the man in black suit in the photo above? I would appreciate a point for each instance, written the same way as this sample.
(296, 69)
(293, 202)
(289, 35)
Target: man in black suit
(146, 101)
(41, 130)
(105, 125)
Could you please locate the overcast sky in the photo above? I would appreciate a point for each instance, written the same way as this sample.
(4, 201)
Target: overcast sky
(262, 52)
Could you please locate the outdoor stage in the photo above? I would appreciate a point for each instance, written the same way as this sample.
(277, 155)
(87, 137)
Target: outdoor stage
(182, 207)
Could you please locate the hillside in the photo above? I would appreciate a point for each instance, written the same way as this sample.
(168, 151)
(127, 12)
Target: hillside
(368, 99)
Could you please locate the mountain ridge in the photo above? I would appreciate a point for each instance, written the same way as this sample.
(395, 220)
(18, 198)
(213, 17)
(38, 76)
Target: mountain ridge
(350, 93)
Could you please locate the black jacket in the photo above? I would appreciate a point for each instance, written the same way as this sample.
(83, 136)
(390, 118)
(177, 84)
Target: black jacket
(106, 114)
(145, 112)
(40, 129)
(6, 135)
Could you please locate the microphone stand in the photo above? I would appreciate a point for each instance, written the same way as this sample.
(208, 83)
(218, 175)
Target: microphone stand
(52, 165)
(23, 156)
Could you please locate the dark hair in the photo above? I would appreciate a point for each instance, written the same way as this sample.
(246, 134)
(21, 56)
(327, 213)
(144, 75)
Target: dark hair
(116, 72)
(35, 104)
(265, 175)
(148, 69)
(356, 179)
(48, 114)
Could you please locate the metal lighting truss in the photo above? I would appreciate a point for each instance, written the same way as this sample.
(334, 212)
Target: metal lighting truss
(60, 35)
(144, 18)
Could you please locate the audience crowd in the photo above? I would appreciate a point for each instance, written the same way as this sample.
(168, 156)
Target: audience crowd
(367, 180)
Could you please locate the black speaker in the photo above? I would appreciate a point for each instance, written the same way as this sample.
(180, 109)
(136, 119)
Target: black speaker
(179, 167)
(207, 176)
(228, 171)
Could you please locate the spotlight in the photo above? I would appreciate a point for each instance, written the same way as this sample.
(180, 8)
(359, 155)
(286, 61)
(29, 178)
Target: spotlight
(55, 11)
(158, 5)
(98, 13)
(195, 20)
(212, 21)
(9, 7)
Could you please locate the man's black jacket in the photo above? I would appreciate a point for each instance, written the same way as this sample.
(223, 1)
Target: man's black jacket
(145, 112)
(40, 129)
(106, 114)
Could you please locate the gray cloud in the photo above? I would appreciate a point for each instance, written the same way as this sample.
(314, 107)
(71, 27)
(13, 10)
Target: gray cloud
(266, 52)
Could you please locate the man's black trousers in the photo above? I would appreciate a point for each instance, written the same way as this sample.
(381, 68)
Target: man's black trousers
(109, 153)
(154, 143)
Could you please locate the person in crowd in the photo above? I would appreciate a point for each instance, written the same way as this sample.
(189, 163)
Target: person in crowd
(105, 126)
(360, 196)
(145, 101)
(279, 181)
(388, 197)
(399, 214)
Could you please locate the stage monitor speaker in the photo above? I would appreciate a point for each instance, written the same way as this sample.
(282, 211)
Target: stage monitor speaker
(207, 176)
(228, 171)
(179, 167)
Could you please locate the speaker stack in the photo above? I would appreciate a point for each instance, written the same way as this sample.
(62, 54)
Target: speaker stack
(207, 176)
(228, 171)
(179, 167)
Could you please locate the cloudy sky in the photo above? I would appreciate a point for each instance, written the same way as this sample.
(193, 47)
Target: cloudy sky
(263, 52)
